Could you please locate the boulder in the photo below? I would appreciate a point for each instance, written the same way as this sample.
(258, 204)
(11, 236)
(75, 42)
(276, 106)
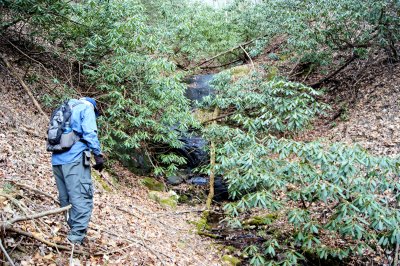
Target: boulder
(152, 184)
(166, 199)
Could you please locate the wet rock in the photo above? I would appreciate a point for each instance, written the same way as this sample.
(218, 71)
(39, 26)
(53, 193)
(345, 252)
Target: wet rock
(194, 150)
(220, 187)
(198, 87)
(175, 180)
(199, 181)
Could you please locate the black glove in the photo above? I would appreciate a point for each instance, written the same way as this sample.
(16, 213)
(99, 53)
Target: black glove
(99, 162)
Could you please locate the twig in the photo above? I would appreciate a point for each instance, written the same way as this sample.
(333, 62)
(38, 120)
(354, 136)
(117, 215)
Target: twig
(177, 213)
(228, 51)
(396, 255)
(348, 61)
(212, 167)
(14, 73)
(141, 243)
(71, 258)
(34, 190)
(295, 66)
(251, 60)
(222, 65)
(6, 254)
(219, 117)
(108, 181)
(50, 244)
(37, 215)
(129, 212)
(120, 249)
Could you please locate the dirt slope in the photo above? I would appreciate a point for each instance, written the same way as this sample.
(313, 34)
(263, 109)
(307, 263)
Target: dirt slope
(373, 121)
(126, 227)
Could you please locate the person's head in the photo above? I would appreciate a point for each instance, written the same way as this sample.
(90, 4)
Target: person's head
(92, 103)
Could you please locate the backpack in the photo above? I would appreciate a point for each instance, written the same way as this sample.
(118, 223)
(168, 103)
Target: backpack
(60, 136)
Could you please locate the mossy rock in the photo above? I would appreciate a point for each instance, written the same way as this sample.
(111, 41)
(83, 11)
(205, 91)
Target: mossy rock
(101, 181)
(165, 199)
(230, 249)
(230, 260)
(202, 116)
(152, 184)
(201, 225)
(272, 72)
(261, 219)
(240, 71)
(184, 199)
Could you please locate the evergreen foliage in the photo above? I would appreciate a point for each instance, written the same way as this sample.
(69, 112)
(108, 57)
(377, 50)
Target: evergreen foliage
(133, 54)
(320, 190)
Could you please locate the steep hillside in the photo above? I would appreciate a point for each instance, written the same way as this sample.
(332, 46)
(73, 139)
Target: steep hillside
(372, 119)
(127, 228)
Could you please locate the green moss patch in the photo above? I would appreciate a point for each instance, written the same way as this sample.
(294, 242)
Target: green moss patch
(230, 260)
(152, 184)
(165, 199)
(261, 219)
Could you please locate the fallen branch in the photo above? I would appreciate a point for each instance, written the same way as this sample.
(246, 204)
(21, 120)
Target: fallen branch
(44, 241)
(248, 56)
(222, 65)
(141, 243)
(334, 73)
(240, 46)
(6, 254)
(26, 88)
(218, 117)
(35, 190)
(107, 180)
(36, 215)
(159, 214)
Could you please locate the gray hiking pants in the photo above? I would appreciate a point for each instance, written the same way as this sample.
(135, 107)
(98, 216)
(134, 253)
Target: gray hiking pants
(74, 185)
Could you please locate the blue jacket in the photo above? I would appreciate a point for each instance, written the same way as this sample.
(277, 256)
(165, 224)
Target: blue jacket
(83, 123)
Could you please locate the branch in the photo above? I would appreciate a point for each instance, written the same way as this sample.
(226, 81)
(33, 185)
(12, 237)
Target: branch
(334, 73)
(44, 241)
(34, 190)
(12, 71)
(228, 51)
(35, 216)
(6, 254)
(219, 117)
(222, 65)
(244, 50)
(140, 243)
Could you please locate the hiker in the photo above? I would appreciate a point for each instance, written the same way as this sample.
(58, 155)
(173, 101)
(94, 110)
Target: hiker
(72, 136)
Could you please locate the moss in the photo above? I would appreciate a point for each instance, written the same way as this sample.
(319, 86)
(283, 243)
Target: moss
(152, 184)
(169, 202)
(201, 225)
(272, 73)
(231, 260)
(230, 249)
(101, 181)
(183, 199)
(203, 116)
(240, 71)
(165, 199)
(261, 220)
(207, 235)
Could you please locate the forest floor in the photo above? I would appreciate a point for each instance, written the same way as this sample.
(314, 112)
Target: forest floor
(371, 119)
(127, 228)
